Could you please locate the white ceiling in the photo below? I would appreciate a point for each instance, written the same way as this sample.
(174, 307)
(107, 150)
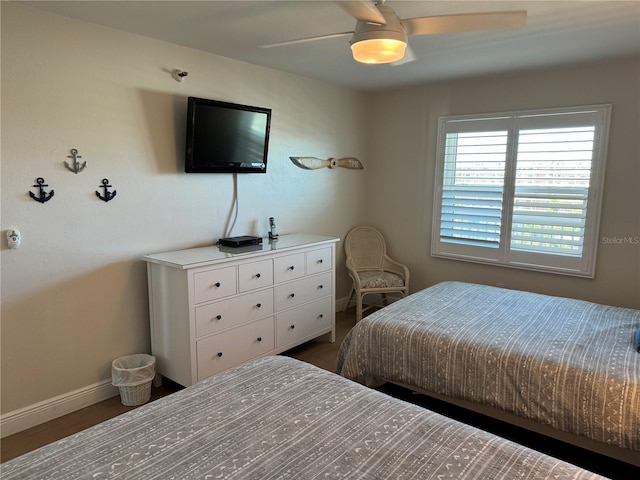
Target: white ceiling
(557, 32)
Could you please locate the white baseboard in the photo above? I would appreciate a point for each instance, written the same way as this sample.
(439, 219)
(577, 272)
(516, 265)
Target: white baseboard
(340, 303)
(27, 417)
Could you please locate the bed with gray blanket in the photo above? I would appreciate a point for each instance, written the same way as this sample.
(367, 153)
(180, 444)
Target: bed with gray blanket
(560, 366)
(281, 418)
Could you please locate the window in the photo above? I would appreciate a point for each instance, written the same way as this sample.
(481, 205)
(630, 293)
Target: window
(521, 189)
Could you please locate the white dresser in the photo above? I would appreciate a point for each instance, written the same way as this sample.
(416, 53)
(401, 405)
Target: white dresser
(214, 307)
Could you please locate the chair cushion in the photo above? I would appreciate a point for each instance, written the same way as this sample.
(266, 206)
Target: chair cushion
(380, 279)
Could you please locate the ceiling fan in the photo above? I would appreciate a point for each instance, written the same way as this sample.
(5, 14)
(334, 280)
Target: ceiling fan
(380, 36)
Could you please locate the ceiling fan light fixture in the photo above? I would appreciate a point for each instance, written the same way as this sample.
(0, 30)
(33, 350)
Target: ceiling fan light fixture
(379, 43)
(378, 50)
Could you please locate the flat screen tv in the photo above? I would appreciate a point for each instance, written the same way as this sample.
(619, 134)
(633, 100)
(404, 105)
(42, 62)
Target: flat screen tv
(226, 137)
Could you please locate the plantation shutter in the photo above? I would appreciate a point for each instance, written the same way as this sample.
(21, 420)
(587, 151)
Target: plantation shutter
(553, 172)
(521, 189)
(472, 189)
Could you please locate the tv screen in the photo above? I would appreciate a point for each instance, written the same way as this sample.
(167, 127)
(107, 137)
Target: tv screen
(226, 137)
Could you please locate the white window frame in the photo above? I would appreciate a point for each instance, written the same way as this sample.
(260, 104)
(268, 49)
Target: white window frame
(502, 254)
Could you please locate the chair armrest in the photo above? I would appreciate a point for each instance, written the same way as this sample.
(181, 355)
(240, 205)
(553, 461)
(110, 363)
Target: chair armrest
(398, 268)
(353, 273)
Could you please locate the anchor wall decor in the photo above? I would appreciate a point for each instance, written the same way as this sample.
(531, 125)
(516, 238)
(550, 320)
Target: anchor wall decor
(108, 196)
(43, 196)
(76, 167)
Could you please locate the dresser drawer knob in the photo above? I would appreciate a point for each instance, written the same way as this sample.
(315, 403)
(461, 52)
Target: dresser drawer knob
(320, 261)
(217, 284)
(258, 305)
(292, 267)
(218, 317)
(320, 286)
(321, 316)
(219, 354)
(292, 295)
(259, 339)
(292, 327)
(257, 275)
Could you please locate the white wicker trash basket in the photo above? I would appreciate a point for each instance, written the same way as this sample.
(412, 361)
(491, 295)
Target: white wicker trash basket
(133, 375)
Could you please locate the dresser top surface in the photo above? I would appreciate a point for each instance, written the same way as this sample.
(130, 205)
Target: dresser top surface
(195, 257)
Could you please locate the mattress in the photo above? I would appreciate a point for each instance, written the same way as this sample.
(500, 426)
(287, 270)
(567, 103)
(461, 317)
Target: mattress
(279, 418)
(563, 363)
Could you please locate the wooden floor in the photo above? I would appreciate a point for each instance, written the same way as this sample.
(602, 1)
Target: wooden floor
(319, 352)
(323, 354)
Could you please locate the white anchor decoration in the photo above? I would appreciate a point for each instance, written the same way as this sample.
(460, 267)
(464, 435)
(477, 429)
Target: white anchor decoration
(76, 167)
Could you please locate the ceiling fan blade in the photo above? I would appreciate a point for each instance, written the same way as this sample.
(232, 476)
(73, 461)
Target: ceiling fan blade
(466, 22)
(304, 40)
(310, 163)
(409, 56)
(365, 11)
(347, 162)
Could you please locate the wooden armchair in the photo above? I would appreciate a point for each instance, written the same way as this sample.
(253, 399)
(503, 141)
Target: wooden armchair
(371, 269)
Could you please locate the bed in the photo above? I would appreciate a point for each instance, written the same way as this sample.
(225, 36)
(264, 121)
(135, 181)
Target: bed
(278, 417)
(559, 366)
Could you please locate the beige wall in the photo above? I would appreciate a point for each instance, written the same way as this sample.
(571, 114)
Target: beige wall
(403, 158)
(74, 295)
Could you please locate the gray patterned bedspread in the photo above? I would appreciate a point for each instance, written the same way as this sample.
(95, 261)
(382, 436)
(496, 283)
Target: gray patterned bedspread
(564, 363)
(281, 418)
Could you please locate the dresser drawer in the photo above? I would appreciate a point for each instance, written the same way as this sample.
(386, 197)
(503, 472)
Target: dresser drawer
(290, 267)
(301, 291)
(255, 275)
(214, 284)
(214, 317)
(301, 322)
(223, 351)
(319, 261)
